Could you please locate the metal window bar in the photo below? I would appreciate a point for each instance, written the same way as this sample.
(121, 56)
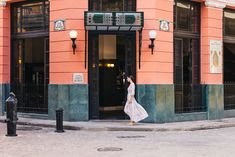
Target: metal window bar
(31, 98)
(188, 98)
(27, 22)
(229, 95)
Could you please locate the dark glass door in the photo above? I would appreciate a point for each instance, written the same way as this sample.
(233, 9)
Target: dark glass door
(187, 76)
(17, 71)
(93, 62)
(107, 73)
(30, 74)
(229, 76)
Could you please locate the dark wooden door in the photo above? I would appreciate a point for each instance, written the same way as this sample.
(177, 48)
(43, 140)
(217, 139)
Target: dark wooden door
(30, 74)
(93, 62)
(17, 71)
(94, 73)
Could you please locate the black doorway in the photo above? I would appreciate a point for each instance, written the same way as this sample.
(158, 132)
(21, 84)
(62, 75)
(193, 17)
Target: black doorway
(229, 76)
(30, 55)
(112, 57)
(30, 74)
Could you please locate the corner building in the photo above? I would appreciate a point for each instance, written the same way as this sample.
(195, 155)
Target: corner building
(185, 73)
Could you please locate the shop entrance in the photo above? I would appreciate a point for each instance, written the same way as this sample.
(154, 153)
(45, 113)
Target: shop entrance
(229, 76)
(112, 57)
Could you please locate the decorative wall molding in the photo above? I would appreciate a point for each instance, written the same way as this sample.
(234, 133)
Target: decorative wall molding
(227, 1)
(215, 4)
(219, 3)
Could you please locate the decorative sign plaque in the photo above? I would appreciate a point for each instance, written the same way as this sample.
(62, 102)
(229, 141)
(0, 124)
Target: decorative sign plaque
(164, 25)
(215, 56)
(59, 25)
(78, 78)
(114, 21)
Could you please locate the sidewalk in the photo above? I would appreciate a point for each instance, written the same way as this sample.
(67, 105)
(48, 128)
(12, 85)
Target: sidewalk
(115, 125)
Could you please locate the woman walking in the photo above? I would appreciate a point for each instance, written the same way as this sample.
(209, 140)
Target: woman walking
(134, 110)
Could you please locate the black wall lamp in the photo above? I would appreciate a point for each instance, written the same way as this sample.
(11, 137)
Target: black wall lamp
(73, 36)
(152, 37)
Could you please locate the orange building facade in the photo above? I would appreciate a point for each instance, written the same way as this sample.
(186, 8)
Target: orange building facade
(184, 73)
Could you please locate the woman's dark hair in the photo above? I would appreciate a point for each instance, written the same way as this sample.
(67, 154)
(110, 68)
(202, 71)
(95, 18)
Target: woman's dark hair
(131, 77)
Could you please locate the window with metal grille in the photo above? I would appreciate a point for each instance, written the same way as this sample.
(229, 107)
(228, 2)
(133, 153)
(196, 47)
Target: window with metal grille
(229, 22)
(112, 5)
(187, 57)
(30, 17)
(229, 57)
(187, 16)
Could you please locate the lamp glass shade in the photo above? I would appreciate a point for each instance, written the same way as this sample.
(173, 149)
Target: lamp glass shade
(3, 3)
(152, 34)
(73, 34)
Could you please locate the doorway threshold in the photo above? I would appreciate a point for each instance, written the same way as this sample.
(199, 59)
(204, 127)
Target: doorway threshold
(112, 108)
(110, 120)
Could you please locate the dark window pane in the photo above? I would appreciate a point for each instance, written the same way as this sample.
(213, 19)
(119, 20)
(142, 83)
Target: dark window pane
(31, 17)
(178, 60)
(229, 23)
(187, 76)
(112, 5)
(195, 18)
(187, 65)
(183, 16)
(187, 16)
(195, 61)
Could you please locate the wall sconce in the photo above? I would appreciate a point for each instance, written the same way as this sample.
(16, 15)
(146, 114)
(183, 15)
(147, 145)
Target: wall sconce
(73, 36)
(152, 37)
(3, 3)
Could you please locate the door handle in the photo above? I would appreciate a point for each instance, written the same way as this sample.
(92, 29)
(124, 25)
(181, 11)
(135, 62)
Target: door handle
(123, 80)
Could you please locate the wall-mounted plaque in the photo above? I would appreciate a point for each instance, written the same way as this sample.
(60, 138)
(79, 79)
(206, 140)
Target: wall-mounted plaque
(78, 78)
(215, 56)
(59, 25)
(164, 25)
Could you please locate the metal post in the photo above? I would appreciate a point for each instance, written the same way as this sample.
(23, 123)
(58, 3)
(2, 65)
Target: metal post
(59, 120)
(11, 114)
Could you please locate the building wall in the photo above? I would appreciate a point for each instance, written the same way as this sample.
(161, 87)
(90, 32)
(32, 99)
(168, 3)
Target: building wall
(5, 44)
(155, 87)
(156, 68)
(63, 63)
(211, 29)
(4, 54)
(61, 51)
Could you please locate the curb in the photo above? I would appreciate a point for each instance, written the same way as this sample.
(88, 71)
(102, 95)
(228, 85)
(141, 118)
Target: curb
(134, 129)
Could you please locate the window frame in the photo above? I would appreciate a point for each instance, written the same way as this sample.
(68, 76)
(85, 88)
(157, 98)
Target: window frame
(227, 38)
(195, 83)
(126, 5)
(187, 33)
(20, 5)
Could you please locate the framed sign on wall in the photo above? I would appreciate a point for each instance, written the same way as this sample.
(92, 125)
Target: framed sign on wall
(215, 56)
(59, 25)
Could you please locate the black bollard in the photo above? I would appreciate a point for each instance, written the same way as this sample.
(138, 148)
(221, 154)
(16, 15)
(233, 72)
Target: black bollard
(59, 120)
(11, 114)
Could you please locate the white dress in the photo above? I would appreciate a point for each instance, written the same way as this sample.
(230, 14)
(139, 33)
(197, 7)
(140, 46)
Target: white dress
(134, 110)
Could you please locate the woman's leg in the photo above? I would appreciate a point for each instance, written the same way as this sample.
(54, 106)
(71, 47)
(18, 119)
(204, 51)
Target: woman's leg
(131, 123)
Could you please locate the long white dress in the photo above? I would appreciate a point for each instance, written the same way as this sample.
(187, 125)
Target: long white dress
(134, 110)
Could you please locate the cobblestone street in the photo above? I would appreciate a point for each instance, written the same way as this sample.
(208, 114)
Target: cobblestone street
(44, 142)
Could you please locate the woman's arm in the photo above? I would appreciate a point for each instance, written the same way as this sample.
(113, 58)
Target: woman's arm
(132, 94)
(133, 89)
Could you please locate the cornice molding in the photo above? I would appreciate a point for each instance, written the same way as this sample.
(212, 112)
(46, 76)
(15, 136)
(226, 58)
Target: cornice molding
(215, 4)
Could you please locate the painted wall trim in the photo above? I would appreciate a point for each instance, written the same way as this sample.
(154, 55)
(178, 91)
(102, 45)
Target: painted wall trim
(215, 4)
